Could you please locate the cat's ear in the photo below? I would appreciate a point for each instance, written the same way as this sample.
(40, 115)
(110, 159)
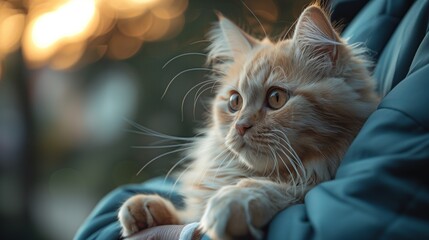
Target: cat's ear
(228, 41)
(315, 35)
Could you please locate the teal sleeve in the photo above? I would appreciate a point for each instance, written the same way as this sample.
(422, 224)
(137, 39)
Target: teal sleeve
(103, 224)
(381, 190)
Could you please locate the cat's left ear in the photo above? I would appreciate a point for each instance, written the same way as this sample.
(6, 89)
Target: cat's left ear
(315, 35)
(228, 41)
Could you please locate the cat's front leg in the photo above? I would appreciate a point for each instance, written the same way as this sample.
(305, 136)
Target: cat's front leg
(243, 209)
(145, 211)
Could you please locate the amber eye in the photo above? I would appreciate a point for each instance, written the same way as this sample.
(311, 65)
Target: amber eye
(277, 97)
(235, 102)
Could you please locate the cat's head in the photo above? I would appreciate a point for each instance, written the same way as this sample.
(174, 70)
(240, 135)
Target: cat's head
(298, 99)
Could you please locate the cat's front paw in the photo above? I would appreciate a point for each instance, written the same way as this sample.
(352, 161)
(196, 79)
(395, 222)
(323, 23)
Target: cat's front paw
(145, 211)
(234, 212)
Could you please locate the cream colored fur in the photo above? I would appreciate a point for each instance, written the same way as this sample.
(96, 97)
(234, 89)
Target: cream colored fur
(236, 184)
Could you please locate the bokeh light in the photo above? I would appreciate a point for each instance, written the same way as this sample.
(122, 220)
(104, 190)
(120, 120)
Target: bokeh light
(12, 22)
(59, 32)
(62, 23)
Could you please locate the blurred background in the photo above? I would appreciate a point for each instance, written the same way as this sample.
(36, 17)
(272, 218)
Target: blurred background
(72, 71)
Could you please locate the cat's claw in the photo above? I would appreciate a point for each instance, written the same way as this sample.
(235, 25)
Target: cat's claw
(228, 215)
(144, 211)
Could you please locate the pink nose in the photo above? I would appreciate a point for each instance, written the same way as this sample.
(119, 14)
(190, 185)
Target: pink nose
(242, 128)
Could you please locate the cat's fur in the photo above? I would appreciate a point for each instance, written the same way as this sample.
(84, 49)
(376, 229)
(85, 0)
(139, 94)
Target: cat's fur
(254, 162)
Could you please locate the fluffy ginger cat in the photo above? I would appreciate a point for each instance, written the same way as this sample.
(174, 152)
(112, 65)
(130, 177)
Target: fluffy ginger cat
(284, 114)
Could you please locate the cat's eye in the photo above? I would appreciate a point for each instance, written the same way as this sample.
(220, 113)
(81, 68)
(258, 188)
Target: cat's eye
(277, 97)
(235, 102)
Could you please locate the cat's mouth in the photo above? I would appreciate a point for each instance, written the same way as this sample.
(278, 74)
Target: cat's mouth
(237, 146)
(252, 151)
(255, 156)
(248, 146)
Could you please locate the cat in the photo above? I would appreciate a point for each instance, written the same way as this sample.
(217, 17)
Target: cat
(282, 118)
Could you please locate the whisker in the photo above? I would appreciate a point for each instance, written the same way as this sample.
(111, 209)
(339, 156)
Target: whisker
(179, 177)
(182, 55)
(214, 84)
(198, 94)
(199, 41)
(149, 132)
(275, 166)
(292, 159)
(208, 165)
(165, 138)
(297, 158)
(286, 140)
(220, 165)
(260, 24)
(175, 165)
(160, 156)
(266, 165)
(189, 91)
(287, 168)
(162, 146)
(230, 161)
(229, 155)
(287, 148)
(180, 73)
(285, 35)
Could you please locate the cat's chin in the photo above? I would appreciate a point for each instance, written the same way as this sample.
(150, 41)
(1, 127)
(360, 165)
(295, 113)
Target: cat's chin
(258, 161)
(253, 156)
(255, 159)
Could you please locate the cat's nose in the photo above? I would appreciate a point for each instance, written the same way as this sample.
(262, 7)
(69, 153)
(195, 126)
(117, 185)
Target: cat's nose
(242, 128)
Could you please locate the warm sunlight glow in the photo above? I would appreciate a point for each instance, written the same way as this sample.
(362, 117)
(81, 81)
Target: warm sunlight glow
(67, 21)
(62, 33)
(12, 23)
(143, 1)
(10, 32)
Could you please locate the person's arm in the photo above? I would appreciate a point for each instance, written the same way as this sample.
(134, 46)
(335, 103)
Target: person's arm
(103, 222)
(381, 190)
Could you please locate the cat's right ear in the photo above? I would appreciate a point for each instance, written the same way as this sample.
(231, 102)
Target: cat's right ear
(228, 42)
(316, 36)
